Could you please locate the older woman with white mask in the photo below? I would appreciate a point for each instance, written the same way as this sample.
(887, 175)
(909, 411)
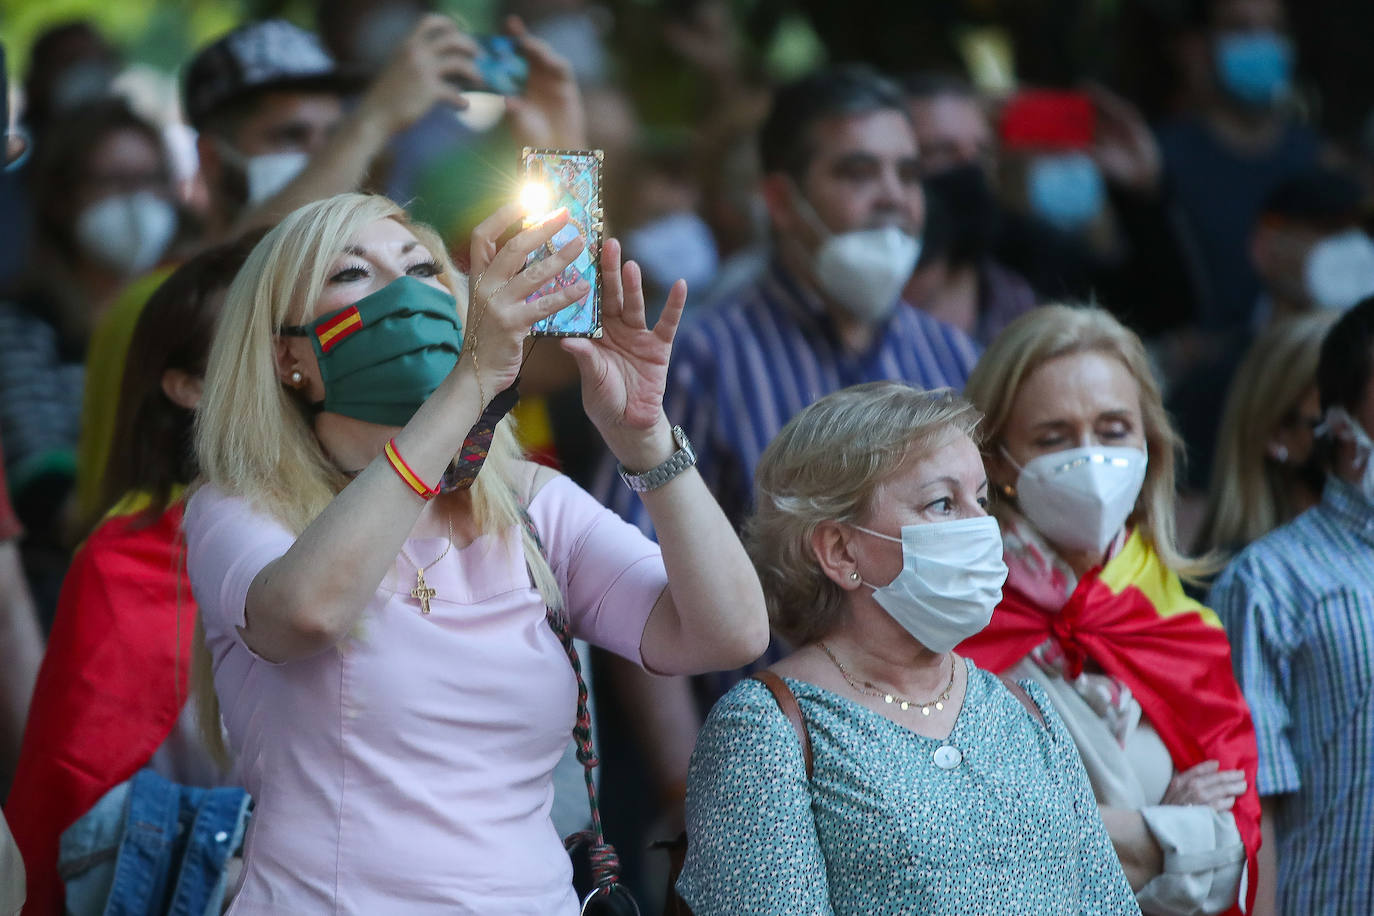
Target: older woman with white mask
(921, 782)
(1081, 451)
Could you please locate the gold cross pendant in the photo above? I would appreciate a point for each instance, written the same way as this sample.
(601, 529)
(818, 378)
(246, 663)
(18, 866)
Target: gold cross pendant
(422, 592)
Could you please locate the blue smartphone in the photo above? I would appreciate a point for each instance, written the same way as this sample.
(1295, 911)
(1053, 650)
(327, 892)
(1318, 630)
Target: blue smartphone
(568, 179)
(502, 68)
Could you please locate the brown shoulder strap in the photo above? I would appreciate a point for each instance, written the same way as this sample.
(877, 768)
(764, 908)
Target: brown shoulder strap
(790, 708)
(1020, 693)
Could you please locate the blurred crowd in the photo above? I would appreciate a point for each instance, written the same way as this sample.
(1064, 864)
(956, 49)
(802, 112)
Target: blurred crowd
(1193, 192)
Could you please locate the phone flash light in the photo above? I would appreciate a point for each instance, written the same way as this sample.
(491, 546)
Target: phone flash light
(535, 199)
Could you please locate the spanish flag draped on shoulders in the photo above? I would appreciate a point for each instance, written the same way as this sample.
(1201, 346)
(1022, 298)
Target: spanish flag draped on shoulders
(112, 684)
(1127, 634)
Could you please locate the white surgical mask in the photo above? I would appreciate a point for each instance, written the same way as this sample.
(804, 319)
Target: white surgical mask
(678, 244)
(1339, 270)
(1344, 426)
(129, 232)
(951, 580)
(266, 173)
(1080, 497)
(269, 173)
(864, 270)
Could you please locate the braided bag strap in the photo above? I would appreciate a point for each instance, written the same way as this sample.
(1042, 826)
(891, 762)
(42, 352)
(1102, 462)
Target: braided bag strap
(605, 863)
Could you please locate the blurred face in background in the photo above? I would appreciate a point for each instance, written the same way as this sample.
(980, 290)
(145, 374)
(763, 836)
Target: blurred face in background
(1248, 16)
(952, 130)
(1306, 266)
(122, 213)
(864, 173)
(251, 156)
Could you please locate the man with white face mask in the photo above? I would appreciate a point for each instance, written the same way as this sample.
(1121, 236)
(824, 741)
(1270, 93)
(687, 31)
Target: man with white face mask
(1309, 248)
(267, 102)
(1310, 252)
(843, 191)
(1298, 605)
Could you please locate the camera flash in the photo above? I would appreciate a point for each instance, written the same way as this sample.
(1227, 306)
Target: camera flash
(535, 199)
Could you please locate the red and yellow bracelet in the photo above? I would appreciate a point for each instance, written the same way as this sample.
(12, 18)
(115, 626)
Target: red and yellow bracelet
(404, 472)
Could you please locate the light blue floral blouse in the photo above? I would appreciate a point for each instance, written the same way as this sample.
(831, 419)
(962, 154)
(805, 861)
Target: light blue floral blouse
(1011, 827)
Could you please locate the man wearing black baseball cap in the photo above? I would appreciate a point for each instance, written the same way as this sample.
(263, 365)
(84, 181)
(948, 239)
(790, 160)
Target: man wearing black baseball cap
(267, 100)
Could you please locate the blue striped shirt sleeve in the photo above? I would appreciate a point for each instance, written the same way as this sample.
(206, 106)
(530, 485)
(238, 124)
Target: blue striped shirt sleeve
(1259, 654)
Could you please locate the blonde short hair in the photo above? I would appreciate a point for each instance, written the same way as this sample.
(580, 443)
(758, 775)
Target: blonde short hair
(826, 465)
(1053, 331)
(1249, 497)
(254, 437)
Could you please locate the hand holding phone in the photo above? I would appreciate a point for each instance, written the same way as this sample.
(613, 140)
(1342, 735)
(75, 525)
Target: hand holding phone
(569, 179)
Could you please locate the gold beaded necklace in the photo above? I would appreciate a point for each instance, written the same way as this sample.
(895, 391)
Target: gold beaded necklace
(870, 689)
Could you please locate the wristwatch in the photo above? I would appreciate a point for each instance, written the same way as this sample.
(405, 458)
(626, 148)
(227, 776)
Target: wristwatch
(652, 479)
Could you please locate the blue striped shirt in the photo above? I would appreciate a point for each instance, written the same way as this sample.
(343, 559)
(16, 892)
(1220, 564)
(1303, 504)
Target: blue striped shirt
(739, 373)
(1298, 606)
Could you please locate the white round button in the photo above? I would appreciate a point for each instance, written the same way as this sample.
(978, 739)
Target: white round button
(947, 758)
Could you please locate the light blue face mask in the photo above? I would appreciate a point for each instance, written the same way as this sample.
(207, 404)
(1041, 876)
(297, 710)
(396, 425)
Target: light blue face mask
(1065, 190)
(1254, 67)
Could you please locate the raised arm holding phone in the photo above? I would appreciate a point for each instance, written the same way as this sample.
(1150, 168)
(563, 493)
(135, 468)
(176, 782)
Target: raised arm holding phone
(375, 612)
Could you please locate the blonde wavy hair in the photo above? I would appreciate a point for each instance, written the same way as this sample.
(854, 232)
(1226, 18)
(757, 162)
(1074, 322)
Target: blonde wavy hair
(254, 437)
(1052, 331)
(1249, 495)
(826, 465)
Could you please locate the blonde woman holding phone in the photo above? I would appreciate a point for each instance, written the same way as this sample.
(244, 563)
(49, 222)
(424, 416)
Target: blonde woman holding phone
(375, 611)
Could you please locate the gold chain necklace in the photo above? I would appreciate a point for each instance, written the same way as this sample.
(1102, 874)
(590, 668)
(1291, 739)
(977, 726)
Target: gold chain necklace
(422, 592)
(870, 689)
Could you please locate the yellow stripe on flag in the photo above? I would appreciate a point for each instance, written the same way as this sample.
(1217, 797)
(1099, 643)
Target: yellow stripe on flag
(1138, 566)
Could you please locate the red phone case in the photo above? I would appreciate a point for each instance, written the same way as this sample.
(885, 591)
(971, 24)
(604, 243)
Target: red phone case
(1049, 119)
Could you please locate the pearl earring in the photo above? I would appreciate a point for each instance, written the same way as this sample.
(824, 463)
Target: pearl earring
(854, 575)
(297, 378)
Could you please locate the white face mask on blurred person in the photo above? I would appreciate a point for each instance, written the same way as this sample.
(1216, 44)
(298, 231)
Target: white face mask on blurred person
(269, 173)
(266, 173)
(678, 244)
(129, 232)
(863, 270)
(950, 583)
(1343, 426)
(1339, 270)
(1080, 497)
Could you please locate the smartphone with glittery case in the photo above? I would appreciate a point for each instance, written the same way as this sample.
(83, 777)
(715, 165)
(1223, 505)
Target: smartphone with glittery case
(568, 179)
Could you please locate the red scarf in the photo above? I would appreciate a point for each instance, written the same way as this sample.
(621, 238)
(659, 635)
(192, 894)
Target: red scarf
(1133, 619)
(112, 684)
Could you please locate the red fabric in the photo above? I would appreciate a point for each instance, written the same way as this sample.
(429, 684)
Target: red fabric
(9, 522)
(110, 689)
(1177, 666)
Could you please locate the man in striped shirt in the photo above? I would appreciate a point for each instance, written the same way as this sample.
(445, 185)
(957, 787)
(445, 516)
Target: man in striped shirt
(843, 191)
(1299, 607)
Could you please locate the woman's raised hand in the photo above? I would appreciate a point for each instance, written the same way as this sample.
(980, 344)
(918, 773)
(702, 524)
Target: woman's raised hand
(625, 371)
(499, 318)
(1206, 784)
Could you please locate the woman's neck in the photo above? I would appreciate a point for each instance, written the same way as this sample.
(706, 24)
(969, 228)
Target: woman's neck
(874, 647)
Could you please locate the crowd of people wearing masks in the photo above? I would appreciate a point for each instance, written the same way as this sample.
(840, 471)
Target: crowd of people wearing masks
(959, 510)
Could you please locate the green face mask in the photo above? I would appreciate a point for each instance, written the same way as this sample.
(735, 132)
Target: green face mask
(381, 357)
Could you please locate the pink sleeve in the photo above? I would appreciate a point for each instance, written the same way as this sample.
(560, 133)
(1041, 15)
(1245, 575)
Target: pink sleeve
(609, 572)
(227, 544)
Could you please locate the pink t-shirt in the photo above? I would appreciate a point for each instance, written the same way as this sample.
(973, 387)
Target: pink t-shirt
(408, 770)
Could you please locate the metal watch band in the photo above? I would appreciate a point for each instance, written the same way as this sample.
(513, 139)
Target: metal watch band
(654, 478)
